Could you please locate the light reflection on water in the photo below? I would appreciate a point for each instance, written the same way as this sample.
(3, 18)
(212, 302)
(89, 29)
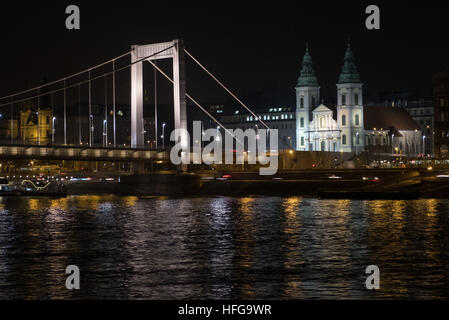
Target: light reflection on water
(222, 247)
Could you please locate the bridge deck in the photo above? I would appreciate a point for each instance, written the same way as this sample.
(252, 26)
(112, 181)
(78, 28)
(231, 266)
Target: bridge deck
(78, 153)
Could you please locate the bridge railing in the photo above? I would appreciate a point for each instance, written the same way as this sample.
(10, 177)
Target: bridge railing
(79, 153)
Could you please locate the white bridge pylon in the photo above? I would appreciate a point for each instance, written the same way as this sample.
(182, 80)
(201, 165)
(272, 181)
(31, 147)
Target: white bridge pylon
(168, 50)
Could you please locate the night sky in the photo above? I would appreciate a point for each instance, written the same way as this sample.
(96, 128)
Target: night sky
(253, 47)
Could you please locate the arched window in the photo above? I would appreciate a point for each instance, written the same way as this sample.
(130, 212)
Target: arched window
(357, 120)
(343, 99)
(343, 120)
(302, 141)
(301, 102)
(302, 123)
(343, 139)
(356, 99)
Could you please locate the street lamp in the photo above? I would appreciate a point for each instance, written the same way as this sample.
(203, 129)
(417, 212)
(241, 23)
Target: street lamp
(218, 134)
(424, 145)
(38, 131)
(202, 139)
(392, 143)
(53, 131)
(105, 133)
(341, 151)
(91, 130)
(163, 136)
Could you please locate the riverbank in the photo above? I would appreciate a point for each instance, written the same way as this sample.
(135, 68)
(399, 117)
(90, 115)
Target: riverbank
(303, 183)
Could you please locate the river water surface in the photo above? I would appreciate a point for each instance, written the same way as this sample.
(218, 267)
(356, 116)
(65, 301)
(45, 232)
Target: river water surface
(222, 248)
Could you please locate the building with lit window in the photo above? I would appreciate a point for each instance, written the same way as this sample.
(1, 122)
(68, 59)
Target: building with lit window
(36, 126)
(420, 109)
(281, 118)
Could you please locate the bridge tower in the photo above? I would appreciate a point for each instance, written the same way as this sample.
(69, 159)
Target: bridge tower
(168, 50)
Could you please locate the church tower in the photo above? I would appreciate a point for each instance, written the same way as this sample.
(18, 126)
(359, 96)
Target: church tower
(350, 106)
(307, 99)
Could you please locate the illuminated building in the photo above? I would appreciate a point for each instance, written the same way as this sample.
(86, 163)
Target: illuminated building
(36, 127)
(350, 126)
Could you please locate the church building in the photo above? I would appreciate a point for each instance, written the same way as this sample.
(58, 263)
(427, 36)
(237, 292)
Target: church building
(349, 126)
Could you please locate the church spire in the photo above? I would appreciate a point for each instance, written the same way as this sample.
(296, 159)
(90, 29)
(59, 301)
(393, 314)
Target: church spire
(308, 77)
(349, 73)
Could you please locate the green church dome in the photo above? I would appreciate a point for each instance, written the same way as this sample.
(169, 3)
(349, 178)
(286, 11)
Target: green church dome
(307, 77)
(349, 73)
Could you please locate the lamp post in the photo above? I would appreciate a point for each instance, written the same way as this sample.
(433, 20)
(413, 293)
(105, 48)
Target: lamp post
(424, 145)
(341, 151)
(38, 130)
(163, 136)
(105, 133)
(53, 131)
(91, 130)
(218, 135)
(392, 144)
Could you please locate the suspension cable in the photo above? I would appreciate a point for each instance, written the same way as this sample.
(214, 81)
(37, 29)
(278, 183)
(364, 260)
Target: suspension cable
(229, 91)
(90, 79)
(196, 103)
(90, 112)
(12, 123)
(79, 115)
(105, 124)
(113, 100)
(155, 107)
(68, 77)
(65, 115)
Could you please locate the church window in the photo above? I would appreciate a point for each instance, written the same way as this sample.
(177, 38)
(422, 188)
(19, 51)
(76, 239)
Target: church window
(302, 141)
(356, 99)
(357, 120)
(302, 123)
(343, 99)
(358, 139)
(301, 102)
(343, 138)
(343, 120)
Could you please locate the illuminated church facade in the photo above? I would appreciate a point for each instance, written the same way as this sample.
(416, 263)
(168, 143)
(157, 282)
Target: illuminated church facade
(349, 126)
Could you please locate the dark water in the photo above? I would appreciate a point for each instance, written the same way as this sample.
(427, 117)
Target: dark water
(222, 248)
